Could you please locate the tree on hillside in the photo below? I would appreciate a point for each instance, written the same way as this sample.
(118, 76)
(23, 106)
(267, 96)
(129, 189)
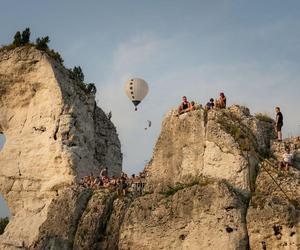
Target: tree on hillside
(17, 39)
(78, 74)
(42, 43)
(25, 36)
(91, 88)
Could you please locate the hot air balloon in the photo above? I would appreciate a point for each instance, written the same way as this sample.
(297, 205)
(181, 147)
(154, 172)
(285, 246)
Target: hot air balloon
(136, 89)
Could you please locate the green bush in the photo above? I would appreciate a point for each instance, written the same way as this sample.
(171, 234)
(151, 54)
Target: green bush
(25, 36)
(23, 39)
(17, 39)
(55, 55)
(201, 181)
(264, 117)
(3, 224)
(77, 75)
(42, 43)
(91, 88)
(173, 190)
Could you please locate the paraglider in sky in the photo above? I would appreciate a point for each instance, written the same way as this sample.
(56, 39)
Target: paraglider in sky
(149, 124)
(136, 89)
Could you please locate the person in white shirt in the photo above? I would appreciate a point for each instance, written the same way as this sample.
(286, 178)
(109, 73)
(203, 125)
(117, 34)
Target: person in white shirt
(287, 159)
(104, 173)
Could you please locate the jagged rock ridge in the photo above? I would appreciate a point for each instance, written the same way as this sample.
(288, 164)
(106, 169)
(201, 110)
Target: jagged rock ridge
(206, 185)
(196, 208)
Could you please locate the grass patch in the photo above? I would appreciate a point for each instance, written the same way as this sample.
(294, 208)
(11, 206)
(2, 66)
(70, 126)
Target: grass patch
(201, 181)
(173, 190)
(146, 193)
(242, 134)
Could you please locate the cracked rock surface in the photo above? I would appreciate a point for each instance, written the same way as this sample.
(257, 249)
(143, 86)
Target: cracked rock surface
(55, 134)
(208, 182)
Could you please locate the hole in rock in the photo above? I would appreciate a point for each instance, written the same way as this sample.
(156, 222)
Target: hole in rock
(4, 214)
(2, 141)
(4, 210)
(229, 230)
(182, 237)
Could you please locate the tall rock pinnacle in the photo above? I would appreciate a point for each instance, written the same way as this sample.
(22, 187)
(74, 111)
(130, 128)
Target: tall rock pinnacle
(55, 134)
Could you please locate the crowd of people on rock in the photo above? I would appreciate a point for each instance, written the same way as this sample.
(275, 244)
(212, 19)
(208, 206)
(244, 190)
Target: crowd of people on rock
(187, 106)
(220, 103)
(122, 185)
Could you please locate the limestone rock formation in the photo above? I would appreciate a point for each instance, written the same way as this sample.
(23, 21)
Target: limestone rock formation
(210, 144)
(199, 182)
(55, 134)
(208, 182)
(204, 216)
(82, 219)
(273, 216)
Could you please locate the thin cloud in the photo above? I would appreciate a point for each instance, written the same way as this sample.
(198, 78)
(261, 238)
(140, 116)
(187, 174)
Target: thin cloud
(244, 83)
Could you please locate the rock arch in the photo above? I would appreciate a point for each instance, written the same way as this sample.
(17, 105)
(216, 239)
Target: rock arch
(4, 209)
(55, 134)
(2, 141)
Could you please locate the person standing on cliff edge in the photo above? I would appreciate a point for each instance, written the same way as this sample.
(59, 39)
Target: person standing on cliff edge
(279, 123)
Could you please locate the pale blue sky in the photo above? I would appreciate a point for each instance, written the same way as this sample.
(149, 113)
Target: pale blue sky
(248, 49)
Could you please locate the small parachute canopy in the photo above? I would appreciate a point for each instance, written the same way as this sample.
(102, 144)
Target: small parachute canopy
(136, 89)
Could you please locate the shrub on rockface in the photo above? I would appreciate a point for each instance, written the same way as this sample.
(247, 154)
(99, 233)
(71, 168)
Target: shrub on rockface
(264, 117)
(23, 39)
(17, 39)
(77, 74)
(41, 43)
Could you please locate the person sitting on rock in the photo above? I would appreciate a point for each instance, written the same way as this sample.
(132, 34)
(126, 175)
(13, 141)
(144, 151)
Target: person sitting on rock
(113, 183)
(210, 104)
(124, 185)
(278, 123)
(104, 172)
(97, 183)
(121, 186)
(105, 180)
(82, 182)
(221, 101)
(287, 159)
(91, 181)
(184, 106)
(192, 106)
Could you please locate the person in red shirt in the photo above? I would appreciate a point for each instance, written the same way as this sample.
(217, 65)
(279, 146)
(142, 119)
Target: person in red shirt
(221, 102)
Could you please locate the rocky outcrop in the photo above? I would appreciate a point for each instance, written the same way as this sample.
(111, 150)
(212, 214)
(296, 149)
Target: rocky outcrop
(207, 215)
(274, 212)
(81, 218)
(213, 181)
(199, 182)
(55, 134)
(211, 144)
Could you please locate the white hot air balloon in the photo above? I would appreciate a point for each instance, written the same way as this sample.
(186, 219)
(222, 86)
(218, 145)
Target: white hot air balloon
(136, 89)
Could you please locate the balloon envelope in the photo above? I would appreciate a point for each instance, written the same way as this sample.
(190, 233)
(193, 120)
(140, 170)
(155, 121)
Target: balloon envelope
(136, 89)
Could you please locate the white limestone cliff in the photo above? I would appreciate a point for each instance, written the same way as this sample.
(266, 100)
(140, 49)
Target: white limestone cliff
(55, 134)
